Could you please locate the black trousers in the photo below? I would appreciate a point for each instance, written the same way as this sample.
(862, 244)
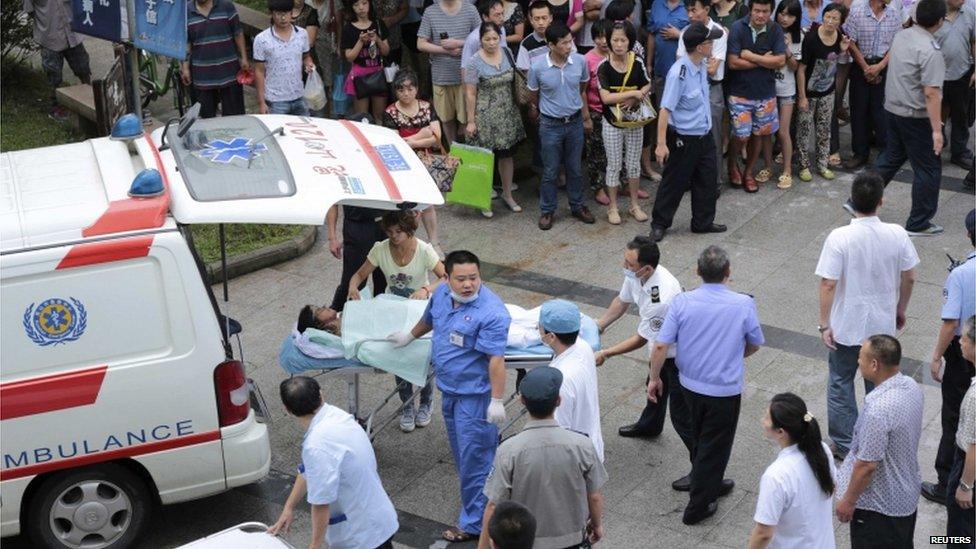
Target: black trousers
(230, 98)
(867, 112)
(713, 422)
(690, 165)
(358, 238)
(871, 530)
(651, 421)
(956, 94)
(959, 522)
(910, 139)
(388, 544)
(955, 381)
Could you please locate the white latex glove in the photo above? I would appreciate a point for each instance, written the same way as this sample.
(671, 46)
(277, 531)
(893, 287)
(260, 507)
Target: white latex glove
(496, 412)
(400, 339)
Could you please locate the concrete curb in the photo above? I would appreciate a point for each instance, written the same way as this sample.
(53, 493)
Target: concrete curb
(264, 257)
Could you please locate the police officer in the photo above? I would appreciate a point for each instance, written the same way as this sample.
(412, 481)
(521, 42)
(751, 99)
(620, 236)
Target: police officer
(470, 330)
(960, 304)
(551, 470)
(683, 138)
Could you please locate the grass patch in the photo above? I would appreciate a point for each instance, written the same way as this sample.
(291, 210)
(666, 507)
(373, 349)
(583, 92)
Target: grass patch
(240, 239)
(24, 113)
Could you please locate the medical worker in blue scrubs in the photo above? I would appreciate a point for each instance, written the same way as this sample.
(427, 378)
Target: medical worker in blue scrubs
(470, 329)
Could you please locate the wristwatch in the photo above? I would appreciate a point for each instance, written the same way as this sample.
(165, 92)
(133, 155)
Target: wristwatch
(822, 329)
(965, 487)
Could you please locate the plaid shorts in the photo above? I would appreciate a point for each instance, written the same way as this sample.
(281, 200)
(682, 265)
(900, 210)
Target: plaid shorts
(753, 116)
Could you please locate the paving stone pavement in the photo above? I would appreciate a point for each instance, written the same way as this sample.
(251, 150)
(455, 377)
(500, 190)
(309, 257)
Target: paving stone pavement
(774, 240)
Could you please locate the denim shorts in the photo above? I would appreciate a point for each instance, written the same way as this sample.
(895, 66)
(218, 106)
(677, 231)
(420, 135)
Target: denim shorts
(785, 100)
(295, 106)
(753, 116)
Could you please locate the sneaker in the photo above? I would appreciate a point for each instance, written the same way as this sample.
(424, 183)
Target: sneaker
(613, 216)
(848, 207)
(931, 230)
(407, 420)
(488, 213)
(423, 416)
(805, 175)
(827, 174)
(59, 113)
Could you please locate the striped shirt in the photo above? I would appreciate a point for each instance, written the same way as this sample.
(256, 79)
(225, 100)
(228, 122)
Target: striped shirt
(445, 70)
(213, 53)
(873, 35)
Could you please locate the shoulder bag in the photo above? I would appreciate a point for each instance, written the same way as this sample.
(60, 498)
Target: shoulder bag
(640, 114)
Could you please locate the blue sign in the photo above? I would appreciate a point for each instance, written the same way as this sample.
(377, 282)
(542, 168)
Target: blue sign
(392, 158)
(100, 18)
(161, 27)
(224, 152)
(55, 321)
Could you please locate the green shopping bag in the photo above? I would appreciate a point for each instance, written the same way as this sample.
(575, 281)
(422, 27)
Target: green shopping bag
(472, 182)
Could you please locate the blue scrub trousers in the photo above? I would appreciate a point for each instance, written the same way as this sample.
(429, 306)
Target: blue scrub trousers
(473, 442)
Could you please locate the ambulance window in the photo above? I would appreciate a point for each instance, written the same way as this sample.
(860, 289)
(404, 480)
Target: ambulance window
(231, 158)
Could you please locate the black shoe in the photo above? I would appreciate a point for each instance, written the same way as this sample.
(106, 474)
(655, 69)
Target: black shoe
(970, 181)
(855, 162)
(632, 431)
(727, 486)
(711, 228)
(545, 221)
(964, 161)
(690, 519)
(934, 492)
(584, 215)
(657, 233)
(683, 484)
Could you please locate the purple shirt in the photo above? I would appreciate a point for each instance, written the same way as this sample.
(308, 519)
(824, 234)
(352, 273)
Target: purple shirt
(711, 326)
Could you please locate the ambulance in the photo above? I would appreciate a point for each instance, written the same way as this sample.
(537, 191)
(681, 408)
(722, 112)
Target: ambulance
(119, 390)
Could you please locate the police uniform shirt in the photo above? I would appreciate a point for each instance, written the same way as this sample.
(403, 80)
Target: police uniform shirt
(464, 338)
(915, 62)
(340, 470)
(652, 299)
(960, 293)
(579, 409)
(686, 98)
(550, 470)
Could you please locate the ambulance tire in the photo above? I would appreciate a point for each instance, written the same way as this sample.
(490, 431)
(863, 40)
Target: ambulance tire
(113, 495)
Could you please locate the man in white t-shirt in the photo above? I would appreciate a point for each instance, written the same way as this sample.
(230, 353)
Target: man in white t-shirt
(350, 508)
(867, 270)
(579, 409)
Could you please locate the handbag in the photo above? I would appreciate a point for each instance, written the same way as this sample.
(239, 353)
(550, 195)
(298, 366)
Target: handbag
(520, 87)
(369, 85)
(640, 114)
(442, 167)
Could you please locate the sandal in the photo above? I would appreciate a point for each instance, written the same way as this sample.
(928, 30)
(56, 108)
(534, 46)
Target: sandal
(602, 198)
(650, 174)
(642, 194)
(834, 160)
(735, 177)
(456, 535)
(763, 175)
(512, 204)
(637, 213)
(779, 158)
(785, 181)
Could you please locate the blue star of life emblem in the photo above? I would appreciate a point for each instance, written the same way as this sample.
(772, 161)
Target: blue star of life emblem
(224, 152)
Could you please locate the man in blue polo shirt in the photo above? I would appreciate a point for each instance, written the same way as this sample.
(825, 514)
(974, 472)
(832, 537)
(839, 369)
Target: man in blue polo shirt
(558, 83)
(684, 138)
(470, 330)
(665, 19)
(715, 329)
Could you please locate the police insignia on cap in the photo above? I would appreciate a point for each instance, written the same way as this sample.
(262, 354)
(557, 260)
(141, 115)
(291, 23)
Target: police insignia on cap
(655, 294)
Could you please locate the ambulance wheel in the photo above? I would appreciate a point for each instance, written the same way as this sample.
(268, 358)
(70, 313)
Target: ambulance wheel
(100, 507)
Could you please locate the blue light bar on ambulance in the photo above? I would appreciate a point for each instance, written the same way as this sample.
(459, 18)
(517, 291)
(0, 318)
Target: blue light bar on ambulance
(147, 184)
(127, 127)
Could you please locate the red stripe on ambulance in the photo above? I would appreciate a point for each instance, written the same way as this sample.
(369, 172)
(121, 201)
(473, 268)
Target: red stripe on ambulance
(375, 160)
(105, 252)
(50, 393)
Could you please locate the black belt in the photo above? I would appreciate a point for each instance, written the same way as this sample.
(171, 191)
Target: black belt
(679, 135)
(563, 119)
(714, 82)
(873, 60)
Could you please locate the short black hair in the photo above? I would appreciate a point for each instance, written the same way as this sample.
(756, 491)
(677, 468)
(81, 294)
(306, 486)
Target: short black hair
(556, 32)
(484, 6)
(713, 265)
(885, 349)
(929, 12)
(867, 191)
(618, 10)
(460, 257)
(629, 31)
(306, 319)
(280, 5)
(488, 26)
(647, 251)
(839, 8)
(540, 408)
(301, 395)
(703, 3)
(512, 526)
(766, 2)
(566, 339)
(538, 5)
(598, 29)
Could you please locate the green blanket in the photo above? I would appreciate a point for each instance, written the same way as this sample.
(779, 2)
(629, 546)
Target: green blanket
(367, 320)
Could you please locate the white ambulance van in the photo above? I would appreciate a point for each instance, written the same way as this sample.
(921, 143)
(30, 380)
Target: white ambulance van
(118, 388)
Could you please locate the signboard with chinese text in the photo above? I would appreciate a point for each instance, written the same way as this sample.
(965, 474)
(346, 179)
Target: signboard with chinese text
(101, 18)
(111, 95)
(161, 27)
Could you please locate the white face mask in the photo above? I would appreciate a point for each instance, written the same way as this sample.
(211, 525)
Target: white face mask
(461, 299)
(630, 274)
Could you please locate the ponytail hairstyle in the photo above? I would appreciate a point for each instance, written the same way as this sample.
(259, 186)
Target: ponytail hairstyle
(789, 413)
